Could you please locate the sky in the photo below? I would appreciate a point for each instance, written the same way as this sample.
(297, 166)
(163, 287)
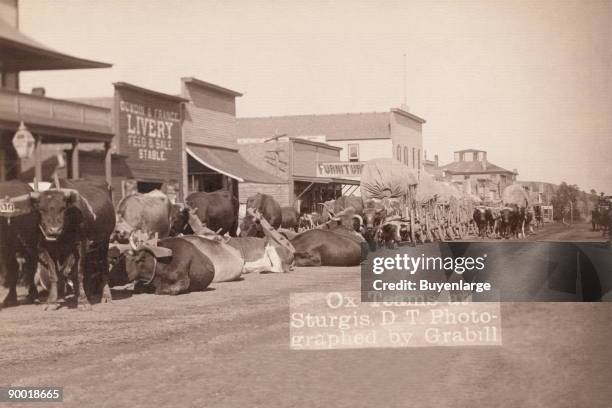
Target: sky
(528, 81)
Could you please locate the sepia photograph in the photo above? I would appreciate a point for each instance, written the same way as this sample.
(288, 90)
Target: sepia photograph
(288, 203)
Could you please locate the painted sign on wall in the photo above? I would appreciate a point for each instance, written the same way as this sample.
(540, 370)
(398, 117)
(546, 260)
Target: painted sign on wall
(149, 130)
(340, 169)
(149, 133)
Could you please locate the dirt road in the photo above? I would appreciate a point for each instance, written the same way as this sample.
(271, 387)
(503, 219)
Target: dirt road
(228, 347)
(565, 232)
(579, 232)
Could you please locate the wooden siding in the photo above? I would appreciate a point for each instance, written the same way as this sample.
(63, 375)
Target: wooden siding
(207, 127)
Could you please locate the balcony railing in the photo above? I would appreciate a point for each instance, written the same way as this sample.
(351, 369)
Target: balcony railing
(31, 107)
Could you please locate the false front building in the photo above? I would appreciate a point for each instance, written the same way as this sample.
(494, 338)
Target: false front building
(475, 175)
(330, 147)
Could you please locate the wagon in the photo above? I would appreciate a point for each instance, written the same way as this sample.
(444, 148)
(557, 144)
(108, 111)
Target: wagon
(419, 208)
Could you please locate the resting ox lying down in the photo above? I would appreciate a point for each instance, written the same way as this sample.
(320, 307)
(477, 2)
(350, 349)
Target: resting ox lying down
(190, 263)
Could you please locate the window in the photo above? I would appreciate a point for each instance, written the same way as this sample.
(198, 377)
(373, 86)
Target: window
(353, 152)
(413, 157)
(406, 156)
(399, 153)
(419, 157)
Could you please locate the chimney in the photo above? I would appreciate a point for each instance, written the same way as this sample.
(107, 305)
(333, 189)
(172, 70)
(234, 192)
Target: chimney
(437, 163)
(38, 91)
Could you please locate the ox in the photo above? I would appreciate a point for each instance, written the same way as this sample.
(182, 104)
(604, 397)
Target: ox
(268, 207)
(258, 254)
(171, 267)
(76, 223)
(19, 236)
(289, 218)
(311, 220)
(484, 220)
(336, 247)
(374, 215)
(217, 210)
(149, 213)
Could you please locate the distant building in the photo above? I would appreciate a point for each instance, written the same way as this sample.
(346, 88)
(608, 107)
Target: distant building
(539, 192)
(475, 175)
(433, 167)
(361, 136)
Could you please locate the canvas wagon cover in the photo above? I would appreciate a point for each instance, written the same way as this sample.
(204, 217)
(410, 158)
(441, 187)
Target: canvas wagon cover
(428, 188)
(382, 178)
(515, 194)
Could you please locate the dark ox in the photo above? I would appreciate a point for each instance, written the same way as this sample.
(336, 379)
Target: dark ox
(506, 219)
(322, 247)
(218, 210)
(374, 215)
(289, 218)
(172, 267)
(19, 237)
(179, 220)
(268, 207)
(484, 220)
(149, 213)
(76, 223)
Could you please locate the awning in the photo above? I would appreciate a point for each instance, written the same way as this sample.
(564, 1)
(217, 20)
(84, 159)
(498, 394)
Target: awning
(231, 164)
(326, 180)
(346, 181)
(320, 180)
(21, 53)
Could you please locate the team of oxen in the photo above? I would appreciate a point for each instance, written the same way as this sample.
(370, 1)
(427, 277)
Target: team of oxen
(70, 238)
(509, 221)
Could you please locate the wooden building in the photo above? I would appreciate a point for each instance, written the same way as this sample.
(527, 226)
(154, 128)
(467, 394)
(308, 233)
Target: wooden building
(474, 174)
(296, 162)
(52, 121)
(358, 136)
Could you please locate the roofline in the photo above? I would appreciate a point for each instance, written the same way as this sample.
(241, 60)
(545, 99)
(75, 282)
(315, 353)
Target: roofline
(469, 150)
(92, 64)
(477, 172)
(310, 142)
(348, 139)
(208, 85)
(310, 114)
(408, 115)
(149, 91)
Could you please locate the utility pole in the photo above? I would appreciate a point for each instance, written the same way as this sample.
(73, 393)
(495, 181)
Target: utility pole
(405, 102)
(276, 150)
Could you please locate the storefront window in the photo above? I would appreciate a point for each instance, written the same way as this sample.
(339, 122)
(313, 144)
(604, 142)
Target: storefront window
(406, 156)
(399, 153)
(353, 151)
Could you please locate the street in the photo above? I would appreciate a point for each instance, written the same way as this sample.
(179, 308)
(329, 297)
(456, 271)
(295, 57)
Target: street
(228, 347)
(577, 232)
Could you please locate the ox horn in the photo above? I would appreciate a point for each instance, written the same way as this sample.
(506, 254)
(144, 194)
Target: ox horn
(56, 181)
(359, 217)
(131, 241)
